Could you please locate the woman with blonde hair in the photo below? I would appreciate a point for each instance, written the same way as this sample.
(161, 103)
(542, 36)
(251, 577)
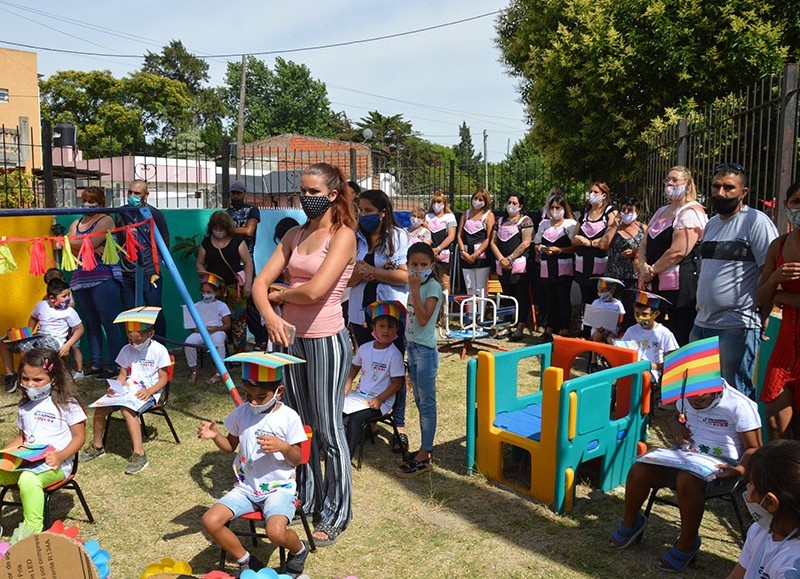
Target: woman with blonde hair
(669, 256)
(442, 224)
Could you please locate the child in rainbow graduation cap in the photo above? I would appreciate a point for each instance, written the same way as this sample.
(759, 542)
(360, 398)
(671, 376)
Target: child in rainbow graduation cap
(383, 371)
(143, 365)
(724, 424)
(606, 288)
(216, 316)
(268, 435)
(653, 338)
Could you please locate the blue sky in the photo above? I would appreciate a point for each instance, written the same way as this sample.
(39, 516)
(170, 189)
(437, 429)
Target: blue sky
(443, 77)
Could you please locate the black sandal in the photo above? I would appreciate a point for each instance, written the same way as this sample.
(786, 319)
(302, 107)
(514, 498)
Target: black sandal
(331, 532)
(400, 444)
(414, 468)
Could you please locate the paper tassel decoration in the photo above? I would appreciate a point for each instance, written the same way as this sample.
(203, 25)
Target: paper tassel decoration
(68, 262)
(111, 250)
(38, 258)
(86, 254)
(132, 244)
(7, 261)
(154, 246)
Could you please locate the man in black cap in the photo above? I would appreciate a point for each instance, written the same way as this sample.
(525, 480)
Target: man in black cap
(246, 218)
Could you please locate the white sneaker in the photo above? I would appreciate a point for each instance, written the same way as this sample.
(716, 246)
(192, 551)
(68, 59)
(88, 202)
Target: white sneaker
(77, 376)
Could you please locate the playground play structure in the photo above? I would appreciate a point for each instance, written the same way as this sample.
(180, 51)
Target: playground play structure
(599, 419)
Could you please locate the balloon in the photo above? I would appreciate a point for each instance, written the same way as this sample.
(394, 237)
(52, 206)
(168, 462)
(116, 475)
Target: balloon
(166, 565)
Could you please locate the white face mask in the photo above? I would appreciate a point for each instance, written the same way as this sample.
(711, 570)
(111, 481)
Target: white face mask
(141, 347)
(416, 222)
(267, 406)
(437, 207)
(424, 274)
(512, 210)
(674, 192)
(556, 214)
(759, 513)
(595, 199)
(208, 298)
(478, 204)
(605, 296)
(39, 393)
(219, 234)
(628, 218)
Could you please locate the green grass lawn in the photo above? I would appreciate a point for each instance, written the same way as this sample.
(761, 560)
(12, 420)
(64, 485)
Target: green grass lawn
(443, 524)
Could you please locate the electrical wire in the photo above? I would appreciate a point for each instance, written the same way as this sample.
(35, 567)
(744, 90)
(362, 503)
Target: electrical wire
(265, 52)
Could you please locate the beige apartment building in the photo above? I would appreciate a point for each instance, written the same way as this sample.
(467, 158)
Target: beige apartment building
(20, 126)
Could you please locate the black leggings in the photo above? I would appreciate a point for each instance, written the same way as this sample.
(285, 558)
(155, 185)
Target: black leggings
(354, 424)
(558, 306)
(520, 291)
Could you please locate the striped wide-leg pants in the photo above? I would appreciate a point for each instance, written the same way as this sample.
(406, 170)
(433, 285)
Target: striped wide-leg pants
(316, 391)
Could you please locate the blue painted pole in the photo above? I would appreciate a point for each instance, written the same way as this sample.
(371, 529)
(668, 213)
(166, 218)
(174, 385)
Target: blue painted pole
(472, 370)
(166, 258)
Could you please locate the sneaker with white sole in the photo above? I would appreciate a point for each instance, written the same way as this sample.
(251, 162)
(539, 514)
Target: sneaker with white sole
(296, 563)
(137, 463)
(11, 383)
(91, 453)
(78, 376)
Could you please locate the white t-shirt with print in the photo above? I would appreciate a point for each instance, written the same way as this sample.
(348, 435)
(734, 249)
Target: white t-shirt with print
(654, 343)
(42, 422)
(715, 430)
(143, 366)
(213, 312)
(378, 367)
(53, 322)
(778, 561)
(257, 472)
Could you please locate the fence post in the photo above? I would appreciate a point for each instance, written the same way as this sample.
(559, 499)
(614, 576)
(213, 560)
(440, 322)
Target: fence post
(451, 184)
(353, 165)
(683, 137)
(47, 164)
(787, 142)
(226, 171)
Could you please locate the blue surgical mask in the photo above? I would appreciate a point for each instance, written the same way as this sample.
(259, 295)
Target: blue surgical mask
(134, 201)
(208, 298)
(370, 223)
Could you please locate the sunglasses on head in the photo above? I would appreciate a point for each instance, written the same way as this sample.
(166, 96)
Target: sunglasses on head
(729, 168)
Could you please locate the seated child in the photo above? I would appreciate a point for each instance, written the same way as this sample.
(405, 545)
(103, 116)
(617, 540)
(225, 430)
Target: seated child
(143, 363)
(606, 288)
(77, 355)
(655, 340)
(772, 548)
(418, 230)
(383, 372)
(53, 318)
(216, 316)
(51, 414)
(268, 435)
(725, 424)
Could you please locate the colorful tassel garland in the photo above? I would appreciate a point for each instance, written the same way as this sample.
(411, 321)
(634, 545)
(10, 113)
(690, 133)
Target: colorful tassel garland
(132, 244)
(7, 261)
(111, 250)
(86, 254)
(154, 246)
(68, 262)
(38, 257)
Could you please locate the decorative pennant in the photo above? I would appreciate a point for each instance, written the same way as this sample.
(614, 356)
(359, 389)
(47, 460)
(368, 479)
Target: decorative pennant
(7, 261)
(38, 257)
(68, 262)
(132, 244)
(86, 255)
(111, 250)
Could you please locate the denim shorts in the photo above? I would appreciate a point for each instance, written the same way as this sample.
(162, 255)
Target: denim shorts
(278, 502)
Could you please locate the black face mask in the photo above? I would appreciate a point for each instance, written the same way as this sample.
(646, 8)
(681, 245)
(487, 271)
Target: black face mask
(724, 205)
(314, 205)
(237, 203)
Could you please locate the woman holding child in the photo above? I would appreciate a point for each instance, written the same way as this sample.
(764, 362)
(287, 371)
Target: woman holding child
(319, 256)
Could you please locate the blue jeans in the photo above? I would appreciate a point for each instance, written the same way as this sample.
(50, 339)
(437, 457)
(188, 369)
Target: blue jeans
(423, 365)
(152, 297)
(737, 355)
(98, 307)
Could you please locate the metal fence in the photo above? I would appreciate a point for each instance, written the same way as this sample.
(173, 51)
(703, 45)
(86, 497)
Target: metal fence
(756, 128)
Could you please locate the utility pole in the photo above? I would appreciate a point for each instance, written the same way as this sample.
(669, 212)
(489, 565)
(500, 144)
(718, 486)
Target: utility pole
(240, 129)
(485, 162)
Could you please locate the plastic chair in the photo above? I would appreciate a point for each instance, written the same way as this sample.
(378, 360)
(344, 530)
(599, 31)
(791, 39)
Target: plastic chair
(160, 409)
(68, 484)
(726, 491)
(254, 517)
(366, 429)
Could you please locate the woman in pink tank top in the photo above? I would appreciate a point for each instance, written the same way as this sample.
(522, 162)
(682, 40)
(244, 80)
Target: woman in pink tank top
(319, 257)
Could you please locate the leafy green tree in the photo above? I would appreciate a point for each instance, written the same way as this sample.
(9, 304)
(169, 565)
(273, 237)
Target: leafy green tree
(115, 116)
(177, 63)
(593, 73)
(464, 150)
(284, 100)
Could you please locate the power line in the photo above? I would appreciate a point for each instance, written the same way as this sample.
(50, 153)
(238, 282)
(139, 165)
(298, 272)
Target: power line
(264, 52)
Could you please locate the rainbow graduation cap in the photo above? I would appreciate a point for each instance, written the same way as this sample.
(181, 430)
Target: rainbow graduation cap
(263, 366)
(138, 319)
(395, 309)
(17, 334)
(210, 278)
(649, 299)
(691, 371)
(605, 284)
